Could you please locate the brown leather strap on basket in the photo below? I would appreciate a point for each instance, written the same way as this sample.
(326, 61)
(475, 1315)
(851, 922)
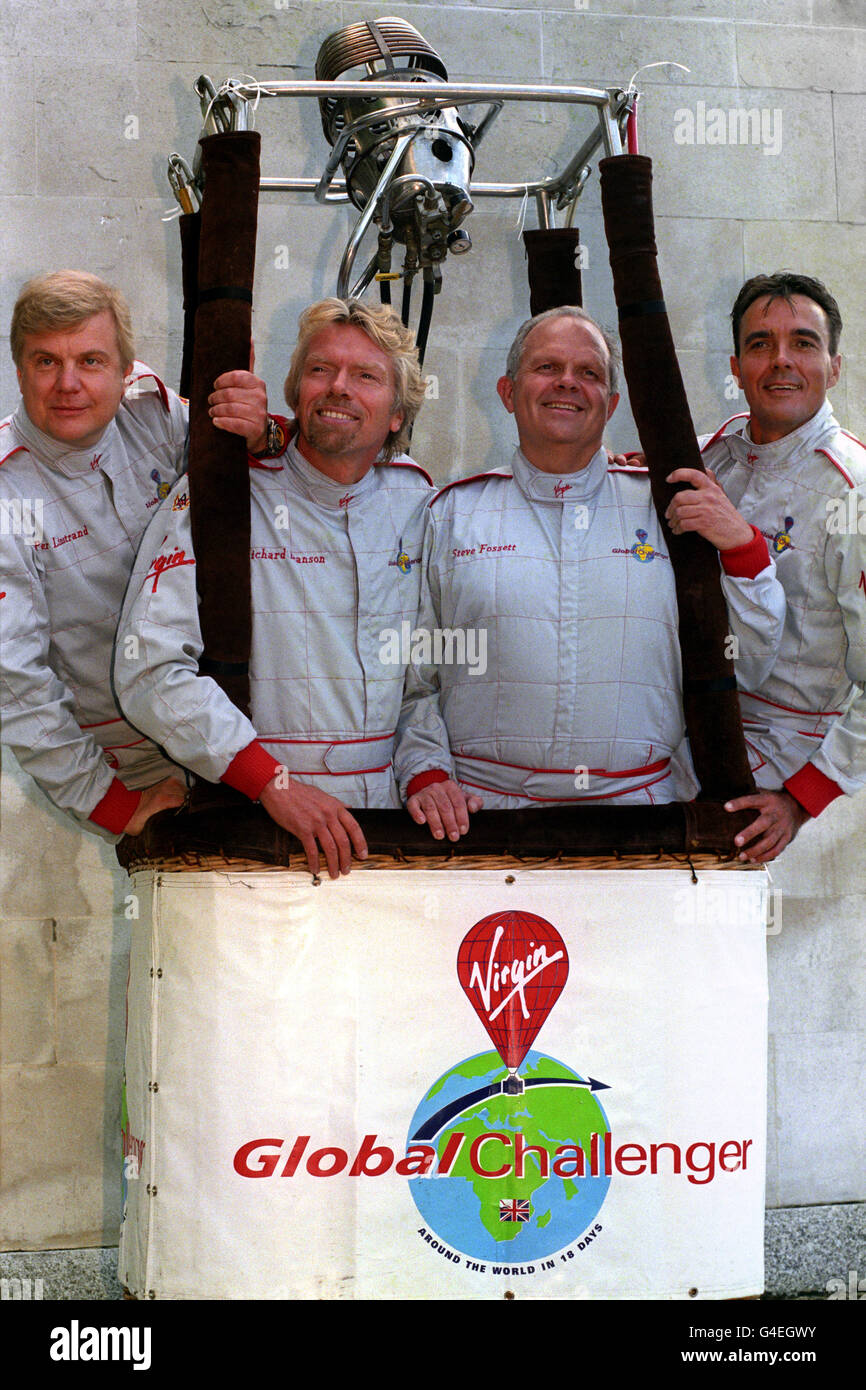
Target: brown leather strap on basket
(218, 467)
(190, 230)
(661, 413)
(553, 268)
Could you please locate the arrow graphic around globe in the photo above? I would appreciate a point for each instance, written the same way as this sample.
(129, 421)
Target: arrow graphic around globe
(441, 1118)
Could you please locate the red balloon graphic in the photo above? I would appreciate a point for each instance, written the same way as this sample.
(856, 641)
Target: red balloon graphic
(512, 966)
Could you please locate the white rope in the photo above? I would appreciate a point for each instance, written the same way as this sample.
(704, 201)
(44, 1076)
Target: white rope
(521, 216)
(645, 68)
(232, 84)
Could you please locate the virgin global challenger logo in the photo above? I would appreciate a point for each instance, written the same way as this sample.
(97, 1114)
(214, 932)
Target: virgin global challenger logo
(520, 1137)
(509, 1155)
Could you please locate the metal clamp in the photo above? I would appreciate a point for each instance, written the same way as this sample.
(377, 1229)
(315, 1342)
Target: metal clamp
(183, 182)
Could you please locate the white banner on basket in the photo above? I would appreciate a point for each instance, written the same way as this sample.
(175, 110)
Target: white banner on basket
(434, 1084)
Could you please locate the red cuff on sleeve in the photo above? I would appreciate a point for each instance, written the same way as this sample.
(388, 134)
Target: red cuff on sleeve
(813, 789)
(251, 770)
(746, 561)
(114, 810)
(424, 779)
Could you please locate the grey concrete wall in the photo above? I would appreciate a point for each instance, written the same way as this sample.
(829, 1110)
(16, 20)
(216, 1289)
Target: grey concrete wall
(96, 97)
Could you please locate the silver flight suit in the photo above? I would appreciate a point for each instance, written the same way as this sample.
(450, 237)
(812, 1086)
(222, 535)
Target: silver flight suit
(805, 721)
(566, 584)
(70, 524)
(335, 571)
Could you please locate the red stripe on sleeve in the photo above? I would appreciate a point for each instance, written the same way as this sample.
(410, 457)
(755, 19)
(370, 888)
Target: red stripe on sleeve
(114, 810)
(813, 789)
(251, 770)
(746, 561)
(425, 779)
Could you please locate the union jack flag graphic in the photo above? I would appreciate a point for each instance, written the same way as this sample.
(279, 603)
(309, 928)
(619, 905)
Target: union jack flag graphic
(513, 1209)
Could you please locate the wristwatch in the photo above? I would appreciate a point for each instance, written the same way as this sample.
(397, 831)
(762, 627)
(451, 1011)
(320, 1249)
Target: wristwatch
(277, 438)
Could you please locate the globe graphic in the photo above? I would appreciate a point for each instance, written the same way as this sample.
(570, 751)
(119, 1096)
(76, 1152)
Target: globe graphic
(470, 1212)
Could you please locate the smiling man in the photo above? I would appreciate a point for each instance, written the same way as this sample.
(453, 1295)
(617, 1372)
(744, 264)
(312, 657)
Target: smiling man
(94, 445)
(336, 532)
(793, 472)
(562, 563)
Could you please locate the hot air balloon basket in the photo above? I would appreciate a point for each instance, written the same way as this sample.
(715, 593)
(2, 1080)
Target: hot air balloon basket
(502, 1081)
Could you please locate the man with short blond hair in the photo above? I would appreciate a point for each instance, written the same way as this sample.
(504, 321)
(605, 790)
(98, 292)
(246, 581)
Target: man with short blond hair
(64, 299)
(95, 444)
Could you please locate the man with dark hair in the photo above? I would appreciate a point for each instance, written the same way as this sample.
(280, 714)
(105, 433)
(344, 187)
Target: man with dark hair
(94, 445)
(784, 284)
(560, 565)
(336, 530)
(796, 475)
